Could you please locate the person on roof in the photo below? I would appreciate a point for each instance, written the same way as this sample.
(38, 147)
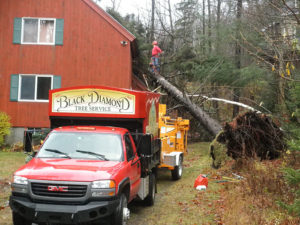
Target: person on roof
(156, 51)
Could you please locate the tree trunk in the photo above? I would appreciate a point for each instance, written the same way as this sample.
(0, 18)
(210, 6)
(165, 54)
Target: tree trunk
(218, 52)
(238, 54)
(218, 44)
(203, 28)
(209, 26)
(209, 123)
(281, 84)
(216, 94)
(152, 21)
(172, 42)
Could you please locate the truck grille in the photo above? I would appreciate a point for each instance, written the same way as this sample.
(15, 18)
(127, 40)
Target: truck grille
(59, 190)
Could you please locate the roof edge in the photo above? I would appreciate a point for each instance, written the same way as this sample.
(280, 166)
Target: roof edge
(112, 21)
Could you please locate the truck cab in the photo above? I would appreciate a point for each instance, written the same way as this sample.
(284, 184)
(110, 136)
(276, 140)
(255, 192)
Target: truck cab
(87, 171)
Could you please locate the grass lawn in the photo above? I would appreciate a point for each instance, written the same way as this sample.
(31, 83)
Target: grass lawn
(9, 163)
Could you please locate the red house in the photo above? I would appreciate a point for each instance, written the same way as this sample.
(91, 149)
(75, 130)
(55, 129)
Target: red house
(48, 44)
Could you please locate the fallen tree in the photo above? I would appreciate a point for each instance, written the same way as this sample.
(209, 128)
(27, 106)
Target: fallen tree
(252, 134)
(212, 125)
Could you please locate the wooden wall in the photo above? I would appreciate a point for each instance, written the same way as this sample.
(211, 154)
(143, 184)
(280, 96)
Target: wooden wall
(91, 54)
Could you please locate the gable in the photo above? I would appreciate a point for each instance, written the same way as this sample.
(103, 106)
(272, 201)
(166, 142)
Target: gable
(115, 24)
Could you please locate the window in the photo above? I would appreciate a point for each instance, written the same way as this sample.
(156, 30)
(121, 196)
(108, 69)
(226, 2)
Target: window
(34, 87)
(90, 146)
(129, 148)
(38, 31)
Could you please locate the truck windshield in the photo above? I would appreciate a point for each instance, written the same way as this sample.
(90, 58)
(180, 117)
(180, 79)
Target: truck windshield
(96, 146)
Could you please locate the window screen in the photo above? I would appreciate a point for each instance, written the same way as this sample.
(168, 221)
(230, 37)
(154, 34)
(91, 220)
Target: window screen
(27, 87)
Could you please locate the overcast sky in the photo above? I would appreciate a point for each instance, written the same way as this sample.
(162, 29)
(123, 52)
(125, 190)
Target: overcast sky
(127, 6)
(131, 6)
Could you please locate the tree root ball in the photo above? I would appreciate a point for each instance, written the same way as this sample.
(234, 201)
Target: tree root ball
(249, 135)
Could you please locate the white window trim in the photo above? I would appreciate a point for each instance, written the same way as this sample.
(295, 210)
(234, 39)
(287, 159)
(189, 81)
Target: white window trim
(38, 34)
(35, 87)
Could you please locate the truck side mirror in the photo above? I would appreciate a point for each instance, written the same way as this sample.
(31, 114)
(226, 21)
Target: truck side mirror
(27, 141)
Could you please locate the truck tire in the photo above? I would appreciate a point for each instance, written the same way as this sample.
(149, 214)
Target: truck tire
(149, 200)
(19, 220)
(121, 214)
(177, 172)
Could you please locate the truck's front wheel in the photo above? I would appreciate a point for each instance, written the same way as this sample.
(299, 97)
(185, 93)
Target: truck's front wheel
(122, 212)
(177, 172)
(19, 220)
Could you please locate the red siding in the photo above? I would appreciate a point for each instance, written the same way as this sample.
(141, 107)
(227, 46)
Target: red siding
(91, 54)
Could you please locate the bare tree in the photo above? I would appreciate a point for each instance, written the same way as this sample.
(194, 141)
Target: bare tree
(218, 26)
(171, 26)
(238, 54)
(115, 4)
(209, 26)
(203, 26)
(152, 21)
(274, 22)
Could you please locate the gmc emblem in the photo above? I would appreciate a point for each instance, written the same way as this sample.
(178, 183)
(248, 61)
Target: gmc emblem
(58, 188)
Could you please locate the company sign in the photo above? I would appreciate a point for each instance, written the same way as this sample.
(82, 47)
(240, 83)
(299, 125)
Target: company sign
(98, 101)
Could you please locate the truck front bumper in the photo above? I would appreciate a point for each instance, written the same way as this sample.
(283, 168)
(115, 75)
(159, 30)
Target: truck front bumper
(62, 214)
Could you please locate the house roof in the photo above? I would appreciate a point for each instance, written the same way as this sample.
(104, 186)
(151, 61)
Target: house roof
(110, 20)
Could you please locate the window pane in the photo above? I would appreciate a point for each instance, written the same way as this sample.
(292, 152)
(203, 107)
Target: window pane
(30, 30)
(46, 31)
(27, 87)
(129, 149)
(43, 87)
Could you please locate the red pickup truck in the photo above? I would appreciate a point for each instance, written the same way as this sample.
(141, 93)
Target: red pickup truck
(102, 153)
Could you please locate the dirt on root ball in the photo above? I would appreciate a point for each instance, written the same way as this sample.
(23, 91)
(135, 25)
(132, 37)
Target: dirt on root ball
(252, 135)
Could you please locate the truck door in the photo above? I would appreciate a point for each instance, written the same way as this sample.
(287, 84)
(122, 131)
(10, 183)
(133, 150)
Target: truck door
(133, 164)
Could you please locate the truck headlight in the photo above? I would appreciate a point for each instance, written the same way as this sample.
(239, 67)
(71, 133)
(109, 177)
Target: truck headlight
(20, 180)
(103, 188)
(19, 184)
